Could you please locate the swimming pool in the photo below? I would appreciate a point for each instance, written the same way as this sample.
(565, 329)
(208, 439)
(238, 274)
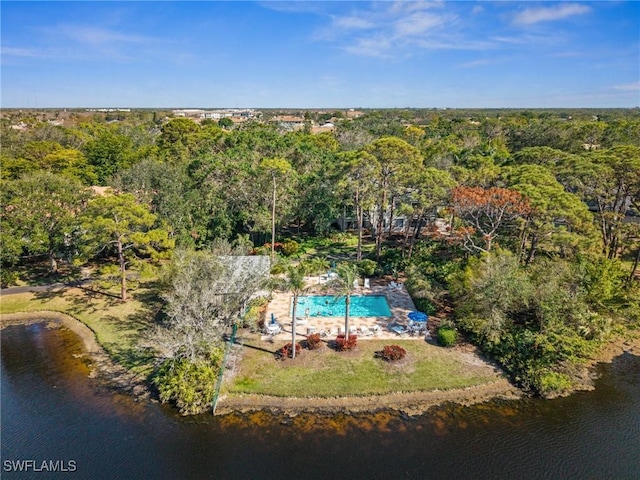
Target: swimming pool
(330, 306)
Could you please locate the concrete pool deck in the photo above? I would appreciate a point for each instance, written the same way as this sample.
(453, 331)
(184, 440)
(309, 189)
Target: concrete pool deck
(399, 300)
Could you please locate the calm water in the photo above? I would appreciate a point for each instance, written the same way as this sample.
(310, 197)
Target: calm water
(52, 411)
(330, 306)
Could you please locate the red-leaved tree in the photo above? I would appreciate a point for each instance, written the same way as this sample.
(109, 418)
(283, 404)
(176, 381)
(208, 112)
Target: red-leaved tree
(486, 210)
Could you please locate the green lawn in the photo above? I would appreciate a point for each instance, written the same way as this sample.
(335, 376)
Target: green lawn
(326, 373)
(337, 247)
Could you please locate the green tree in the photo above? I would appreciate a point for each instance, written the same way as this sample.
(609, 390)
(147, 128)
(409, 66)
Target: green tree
(490, 292)
(358, 169)
(431, 190)
(166, 189)
(39, 214)
(225, 123)
(178, 139)
(553, 212)
(108, 151)
(396, 162)
(119, 222)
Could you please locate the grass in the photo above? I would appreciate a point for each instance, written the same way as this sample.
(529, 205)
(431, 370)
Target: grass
(326, 373)
(117, 325)
(338, 246)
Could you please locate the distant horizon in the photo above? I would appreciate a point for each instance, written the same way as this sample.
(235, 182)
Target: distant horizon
(182, 107)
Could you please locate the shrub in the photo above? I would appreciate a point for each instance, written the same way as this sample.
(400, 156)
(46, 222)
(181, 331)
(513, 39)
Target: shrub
(554, 383)
(346, 343)
(425, 305)
(190, 385)
(392, 353)
(367, 268)
(287, 350)
(313, 341)
(447, 336)
(290, 247)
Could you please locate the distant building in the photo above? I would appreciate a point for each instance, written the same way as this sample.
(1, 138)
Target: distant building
(196, 113)
(289, 122)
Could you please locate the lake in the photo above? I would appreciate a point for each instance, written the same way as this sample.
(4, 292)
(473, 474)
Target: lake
(53, 412)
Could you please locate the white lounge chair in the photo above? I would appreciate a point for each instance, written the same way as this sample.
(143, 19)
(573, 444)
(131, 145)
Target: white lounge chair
(398, 329)
(365, 331)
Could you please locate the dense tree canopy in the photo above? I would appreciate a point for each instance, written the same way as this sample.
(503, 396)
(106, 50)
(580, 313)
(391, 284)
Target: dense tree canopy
(529, 218)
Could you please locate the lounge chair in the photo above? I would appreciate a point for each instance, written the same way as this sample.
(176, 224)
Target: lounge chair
(365, 331)
(398, 329)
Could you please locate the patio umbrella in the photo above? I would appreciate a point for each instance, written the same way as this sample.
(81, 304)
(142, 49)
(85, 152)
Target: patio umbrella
(418, 316)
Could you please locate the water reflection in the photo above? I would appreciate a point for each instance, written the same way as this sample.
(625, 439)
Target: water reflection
(52, 410)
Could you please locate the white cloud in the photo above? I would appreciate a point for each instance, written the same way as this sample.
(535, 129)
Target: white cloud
(531, 16)
(376, 46)
(387, 29)
(352, 23)
(98, 36)
(480, 62)
(20, 52)
(419, 23)
(628, 87)
(400, 6)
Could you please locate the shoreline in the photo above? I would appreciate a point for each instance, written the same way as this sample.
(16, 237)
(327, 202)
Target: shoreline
(102, 365)
(405, 403)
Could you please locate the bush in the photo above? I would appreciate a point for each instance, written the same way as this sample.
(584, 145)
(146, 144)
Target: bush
(313, 341)
(425, 305)
(447, 336)
(190, 385)
(287, 350)
(367, 268)
(553, 383)
(343, 343)
(290, 247)
(392, 353)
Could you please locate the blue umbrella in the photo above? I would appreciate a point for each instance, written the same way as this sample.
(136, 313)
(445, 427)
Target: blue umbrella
(418, 316)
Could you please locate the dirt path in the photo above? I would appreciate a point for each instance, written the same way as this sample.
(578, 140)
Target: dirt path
(44, 288)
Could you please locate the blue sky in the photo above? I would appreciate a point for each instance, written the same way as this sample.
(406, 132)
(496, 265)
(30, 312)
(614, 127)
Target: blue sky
(320, 54)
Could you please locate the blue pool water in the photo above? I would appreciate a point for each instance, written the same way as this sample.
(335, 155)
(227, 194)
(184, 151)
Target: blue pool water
(330, 306)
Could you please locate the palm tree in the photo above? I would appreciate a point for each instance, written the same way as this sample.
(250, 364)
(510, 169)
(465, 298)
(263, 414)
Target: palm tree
(294, 283)
(343, 286)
